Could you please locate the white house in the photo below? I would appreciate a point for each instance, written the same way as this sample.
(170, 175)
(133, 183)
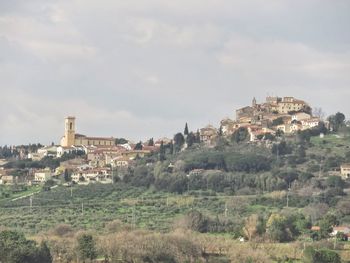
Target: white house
(311, 123)
(42, 175)
(301, 116)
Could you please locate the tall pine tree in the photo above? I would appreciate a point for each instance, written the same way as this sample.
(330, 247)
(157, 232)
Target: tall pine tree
(186, 129)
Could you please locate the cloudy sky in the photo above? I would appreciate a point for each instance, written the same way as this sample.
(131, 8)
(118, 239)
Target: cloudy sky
(142, 68)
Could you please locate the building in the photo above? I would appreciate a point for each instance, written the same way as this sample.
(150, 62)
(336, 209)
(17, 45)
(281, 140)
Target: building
(310, 123)
(345, 171)
(272, 105)
(72, 138)
(42, 176)
(8, 179)
(299, 116)
(341, 229)
(208, 134)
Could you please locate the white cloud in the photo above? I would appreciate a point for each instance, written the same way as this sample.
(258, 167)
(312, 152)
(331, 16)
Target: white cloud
(145, 67)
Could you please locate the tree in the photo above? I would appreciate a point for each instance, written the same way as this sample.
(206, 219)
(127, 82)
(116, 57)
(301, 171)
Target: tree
(161, 152)
(44, 255)
(186, 130)
(138, 146)
(67, 176)
(151, 142)
(190, 139)
(198, 137)
(253, 226)
(121, 141)
(277, 121)
(318, 112)
(179, 141)
(220, 132)
(336, 121)
(312, 255)
(87, 247)
(240, 135)
(335, 181)
(326, 225)
(276, 228)
(15, 248)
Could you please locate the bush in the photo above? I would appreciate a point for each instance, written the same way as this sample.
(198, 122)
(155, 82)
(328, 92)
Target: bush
(312, 255)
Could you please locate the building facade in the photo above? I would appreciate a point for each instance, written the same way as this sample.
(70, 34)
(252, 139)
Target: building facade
(71, 138)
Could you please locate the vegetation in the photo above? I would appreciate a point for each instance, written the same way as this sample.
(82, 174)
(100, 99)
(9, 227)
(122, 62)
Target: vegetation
(192, 203)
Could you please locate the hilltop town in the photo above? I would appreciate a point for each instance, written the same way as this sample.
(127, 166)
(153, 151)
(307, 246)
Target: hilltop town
(86, 159)
(275, 174)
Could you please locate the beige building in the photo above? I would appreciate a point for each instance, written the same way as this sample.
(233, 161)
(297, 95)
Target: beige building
(42, 176)
(8, 179)
(71, 138)
(345, 171)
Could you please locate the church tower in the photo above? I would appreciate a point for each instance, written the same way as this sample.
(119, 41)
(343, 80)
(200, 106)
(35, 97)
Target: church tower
(69, 132)
(254, 103)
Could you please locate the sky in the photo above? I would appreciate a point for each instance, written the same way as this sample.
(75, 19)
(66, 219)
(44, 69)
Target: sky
(143, 68)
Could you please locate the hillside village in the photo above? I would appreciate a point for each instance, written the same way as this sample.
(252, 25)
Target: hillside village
(96, 159)
(274, 172)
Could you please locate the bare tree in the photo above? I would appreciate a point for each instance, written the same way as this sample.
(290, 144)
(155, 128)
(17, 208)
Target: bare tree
(318, 112)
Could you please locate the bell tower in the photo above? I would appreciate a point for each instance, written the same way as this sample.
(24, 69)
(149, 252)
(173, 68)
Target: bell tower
(69, 131)
(254, 102)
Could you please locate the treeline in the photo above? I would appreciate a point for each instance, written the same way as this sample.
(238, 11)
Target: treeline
(47, 161)
(15, 248)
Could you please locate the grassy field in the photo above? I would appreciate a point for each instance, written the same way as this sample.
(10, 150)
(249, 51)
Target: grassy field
(94, 205)
(336, 144)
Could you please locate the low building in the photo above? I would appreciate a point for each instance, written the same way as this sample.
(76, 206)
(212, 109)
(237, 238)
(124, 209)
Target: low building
(42, 176)
(48, 151)
(310, 123)
(134, 153)
(341, 229)
(208, 134)
(8, 179)
(345, 171)
(299, 116)
(121, 162)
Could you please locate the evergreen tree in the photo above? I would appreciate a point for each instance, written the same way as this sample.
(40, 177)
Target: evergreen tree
(198, 137)
(151, 142)
(161, 152)
(220, 132)
(67, 176)
(138, 146)
(87, 247)
(186, 130)
(190, 139)
(179, 141)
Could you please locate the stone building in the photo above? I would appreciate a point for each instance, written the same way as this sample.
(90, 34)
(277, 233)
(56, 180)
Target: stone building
(71, 138)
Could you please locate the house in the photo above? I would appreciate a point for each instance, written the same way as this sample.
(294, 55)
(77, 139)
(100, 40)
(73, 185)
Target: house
(299, 116)
(310, 123)
(42, 176)
(345, 171)
(315, 228)
(284, 127)
(121, 162)
(98, 174)
(228, 126)
(61, 150)
(35, 156)
(48, 151)
(163, 140)
(208, 134)
(134, 153)
(340, 229)
(8, 179)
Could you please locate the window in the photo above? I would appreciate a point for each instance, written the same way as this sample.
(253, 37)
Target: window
(71, 126)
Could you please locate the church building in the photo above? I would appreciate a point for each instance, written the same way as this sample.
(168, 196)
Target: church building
(71, 138)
